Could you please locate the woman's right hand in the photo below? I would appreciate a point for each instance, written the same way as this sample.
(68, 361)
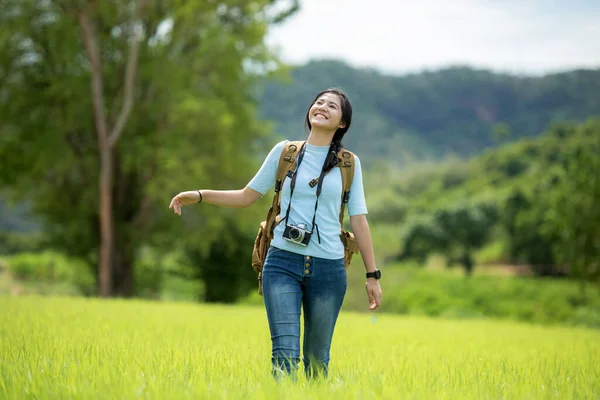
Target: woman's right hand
(184, 199)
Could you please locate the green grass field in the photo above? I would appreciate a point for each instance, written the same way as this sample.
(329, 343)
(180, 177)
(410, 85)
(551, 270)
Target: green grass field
(66, 348)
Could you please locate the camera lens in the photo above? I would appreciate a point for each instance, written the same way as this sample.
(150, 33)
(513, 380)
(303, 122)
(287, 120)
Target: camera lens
(294, 233)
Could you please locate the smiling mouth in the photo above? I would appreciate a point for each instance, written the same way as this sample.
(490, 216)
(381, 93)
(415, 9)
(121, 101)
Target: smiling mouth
(322, 115)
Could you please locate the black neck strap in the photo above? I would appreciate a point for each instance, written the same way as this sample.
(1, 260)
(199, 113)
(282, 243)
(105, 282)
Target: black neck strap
(293, 185)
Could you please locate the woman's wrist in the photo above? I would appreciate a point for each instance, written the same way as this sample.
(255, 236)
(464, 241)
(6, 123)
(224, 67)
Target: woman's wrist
(370, 268)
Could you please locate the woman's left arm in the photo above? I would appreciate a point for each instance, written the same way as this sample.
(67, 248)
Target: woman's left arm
(360, 228)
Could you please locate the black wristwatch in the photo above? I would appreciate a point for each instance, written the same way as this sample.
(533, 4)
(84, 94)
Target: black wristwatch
(376, 274)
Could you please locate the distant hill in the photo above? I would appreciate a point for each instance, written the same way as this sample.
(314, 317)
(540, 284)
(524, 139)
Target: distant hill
(455, 111)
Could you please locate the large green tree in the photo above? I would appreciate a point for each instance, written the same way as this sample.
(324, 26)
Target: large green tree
(107, 109)
(573, 206)
(521, 218)
(456, 232)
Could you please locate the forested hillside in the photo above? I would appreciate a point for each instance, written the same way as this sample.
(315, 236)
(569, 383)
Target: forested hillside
(530, 202)
(457, 111)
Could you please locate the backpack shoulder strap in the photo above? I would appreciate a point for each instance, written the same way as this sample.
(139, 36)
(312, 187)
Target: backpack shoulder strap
(346, 166)
(287, 160)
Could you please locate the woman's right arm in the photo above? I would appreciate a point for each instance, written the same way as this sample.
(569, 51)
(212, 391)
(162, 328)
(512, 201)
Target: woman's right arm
(257, 187)
(224, 198)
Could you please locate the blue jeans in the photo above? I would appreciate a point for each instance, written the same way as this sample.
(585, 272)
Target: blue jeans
(318, 285)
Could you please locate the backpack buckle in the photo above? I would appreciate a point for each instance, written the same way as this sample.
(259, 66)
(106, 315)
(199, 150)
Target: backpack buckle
(346, 197)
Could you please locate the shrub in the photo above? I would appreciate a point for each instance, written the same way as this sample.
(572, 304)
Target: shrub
(54, 268)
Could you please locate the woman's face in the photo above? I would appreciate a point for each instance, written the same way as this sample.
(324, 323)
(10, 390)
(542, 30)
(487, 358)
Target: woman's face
(326, 112)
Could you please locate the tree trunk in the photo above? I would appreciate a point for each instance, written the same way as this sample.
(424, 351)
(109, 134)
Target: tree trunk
(107, 138)
(105, 276)
(468, 263)
(127, 278)
(105, 151)
(123, 267)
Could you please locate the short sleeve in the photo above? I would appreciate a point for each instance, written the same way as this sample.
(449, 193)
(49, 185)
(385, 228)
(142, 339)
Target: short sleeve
(357, 204)
(265, 177)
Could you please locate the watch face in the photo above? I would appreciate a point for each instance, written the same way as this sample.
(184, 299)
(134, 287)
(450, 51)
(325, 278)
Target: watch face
(376, 274)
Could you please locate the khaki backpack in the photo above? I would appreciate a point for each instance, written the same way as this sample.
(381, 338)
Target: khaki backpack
(287, 162)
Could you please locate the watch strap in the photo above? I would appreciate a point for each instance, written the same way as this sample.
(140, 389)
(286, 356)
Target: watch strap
(375, 274)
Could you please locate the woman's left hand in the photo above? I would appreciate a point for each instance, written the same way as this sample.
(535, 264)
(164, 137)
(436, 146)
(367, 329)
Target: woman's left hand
(374, 293)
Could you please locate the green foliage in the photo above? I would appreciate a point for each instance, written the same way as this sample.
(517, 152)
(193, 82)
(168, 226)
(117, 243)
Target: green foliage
(574, 205)
(165, 276)
(523, 219)
(191, 118)
(226, 275)
(49, 267)
(14, 242)
(448, 295)
(456, 232)
(434, 114)
(540, 196)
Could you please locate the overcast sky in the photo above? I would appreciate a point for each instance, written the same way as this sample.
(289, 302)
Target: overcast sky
(399, 36)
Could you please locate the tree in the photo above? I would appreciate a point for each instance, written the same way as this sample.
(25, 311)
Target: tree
(573, 211)
(521, 219)
(224, 275)
(466, 229)
(455, 232)
(108, 134)
(104, 104)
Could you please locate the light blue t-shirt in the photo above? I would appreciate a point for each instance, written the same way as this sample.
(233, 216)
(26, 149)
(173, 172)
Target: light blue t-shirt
(303, 201)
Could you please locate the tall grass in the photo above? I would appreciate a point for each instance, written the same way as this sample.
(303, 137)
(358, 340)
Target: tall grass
(73, 348)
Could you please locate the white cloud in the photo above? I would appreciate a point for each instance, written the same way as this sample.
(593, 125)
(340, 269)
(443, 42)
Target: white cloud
(528, 36)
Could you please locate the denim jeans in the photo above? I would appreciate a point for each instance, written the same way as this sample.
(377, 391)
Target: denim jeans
(290, 282)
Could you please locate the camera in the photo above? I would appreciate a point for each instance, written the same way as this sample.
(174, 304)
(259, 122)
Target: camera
(297, 234)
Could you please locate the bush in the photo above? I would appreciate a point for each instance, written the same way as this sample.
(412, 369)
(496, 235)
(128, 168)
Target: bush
(167, 276)
(53, 268)
(14, 242)
(447, 294)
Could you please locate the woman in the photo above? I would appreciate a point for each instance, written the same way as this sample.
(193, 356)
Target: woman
(309, 275)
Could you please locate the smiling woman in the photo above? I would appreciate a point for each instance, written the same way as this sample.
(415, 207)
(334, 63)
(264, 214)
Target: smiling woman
(305, 264)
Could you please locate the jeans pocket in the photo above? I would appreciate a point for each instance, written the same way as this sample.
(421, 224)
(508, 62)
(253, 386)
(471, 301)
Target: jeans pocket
(270, 254)
(273, 250)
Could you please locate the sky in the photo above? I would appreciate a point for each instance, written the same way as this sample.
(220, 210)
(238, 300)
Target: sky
(529, 37)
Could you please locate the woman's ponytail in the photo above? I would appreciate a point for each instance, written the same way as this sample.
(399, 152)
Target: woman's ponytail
(336, 145)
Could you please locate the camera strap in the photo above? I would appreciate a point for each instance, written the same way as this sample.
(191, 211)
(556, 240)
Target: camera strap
(317, 203)
(293, 185)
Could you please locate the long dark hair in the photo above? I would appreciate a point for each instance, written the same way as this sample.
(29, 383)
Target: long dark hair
(336, 143)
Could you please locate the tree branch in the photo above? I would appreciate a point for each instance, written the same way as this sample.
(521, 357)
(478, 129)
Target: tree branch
(130, 73)
(283, 15)
(88, 35)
